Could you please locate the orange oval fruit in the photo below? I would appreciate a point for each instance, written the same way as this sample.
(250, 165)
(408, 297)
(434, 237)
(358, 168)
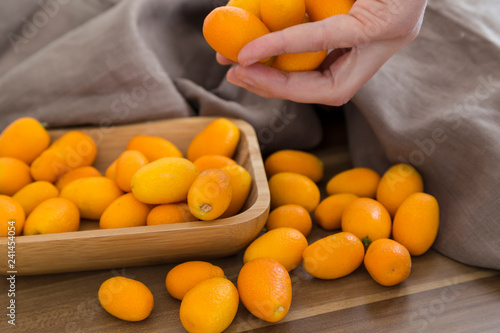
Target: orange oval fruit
(183, 277)
(367, 219)
(72, 150)
(205, 162)
(170, 213)
(34, 194)
(81, 172)
(284, 245)
(362, 182)
(14, 175)
(293, 188)
(210, 306)
(281, 14)
(77, 147)
(227, 29)
(54, 215)
(220, 137)
(127, 165)
(12, 216)
(328, 214)
(299, 62)
(265, 289)
(126, 299)
(241, 183)
(153, 147)
(24, 139)
(388, 262)
(321, 9)
(253, 6)
(163, 181)
(295, 161)
(397, 184)
(111, 171)
(416, 223)
(210, 194)
(334, 256)
(49, 166)
(291, 216)
(91, 195)
(125, 211)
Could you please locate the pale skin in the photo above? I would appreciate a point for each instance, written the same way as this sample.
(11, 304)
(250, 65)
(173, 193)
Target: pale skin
(361, 42)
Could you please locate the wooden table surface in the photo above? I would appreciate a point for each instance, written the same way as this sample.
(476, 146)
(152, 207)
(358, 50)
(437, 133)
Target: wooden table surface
(440, 295)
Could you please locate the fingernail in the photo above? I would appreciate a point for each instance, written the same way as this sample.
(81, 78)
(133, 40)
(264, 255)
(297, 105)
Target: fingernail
(247, 63)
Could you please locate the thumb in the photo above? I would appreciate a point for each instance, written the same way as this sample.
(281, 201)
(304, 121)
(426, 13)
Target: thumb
(339, 31)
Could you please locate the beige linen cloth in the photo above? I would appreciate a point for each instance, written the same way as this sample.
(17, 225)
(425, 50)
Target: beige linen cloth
(436, 104)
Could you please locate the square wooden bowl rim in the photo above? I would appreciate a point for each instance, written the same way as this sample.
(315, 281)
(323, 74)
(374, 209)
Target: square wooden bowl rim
(256, 210)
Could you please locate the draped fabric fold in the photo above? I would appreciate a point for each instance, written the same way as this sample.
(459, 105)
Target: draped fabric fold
(135, 61)
(436, 105)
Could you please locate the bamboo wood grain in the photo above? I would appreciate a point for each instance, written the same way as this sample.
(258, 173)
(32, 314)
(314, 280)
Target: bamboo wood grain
(439, 296)
(92, 248)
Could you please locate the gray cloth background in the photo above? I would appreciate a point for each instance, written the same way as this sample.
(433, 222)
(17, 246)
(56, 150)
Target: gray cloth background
(436, 104)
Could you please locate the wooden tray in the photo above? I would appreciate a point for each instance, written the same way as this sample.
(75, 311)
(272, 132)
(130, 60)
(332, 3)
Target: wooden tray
(91, 248)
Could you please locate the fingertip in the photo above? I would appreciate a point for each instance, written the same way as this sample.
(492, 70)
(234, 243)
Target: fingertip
(251, 53)
(223, 60)
(236, 75)
(244, 59)
(230, 75)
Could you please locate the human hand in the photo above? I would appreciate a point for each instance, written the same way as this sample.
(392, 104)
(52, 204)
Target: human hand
(361, 42)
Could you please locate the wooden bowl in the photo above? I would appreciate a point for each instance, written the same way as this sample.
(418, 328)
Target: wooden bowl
(92, 248)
